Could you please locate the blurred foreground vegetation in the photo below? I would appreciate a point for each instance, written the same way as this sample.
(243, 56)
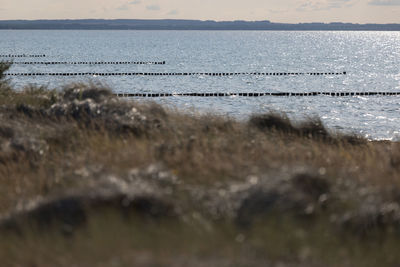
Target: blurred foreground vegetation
(87, 179)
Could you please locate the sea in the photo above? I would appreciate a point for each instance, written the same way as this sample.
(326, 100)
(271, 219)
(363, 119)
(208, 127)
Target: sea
(370, 59)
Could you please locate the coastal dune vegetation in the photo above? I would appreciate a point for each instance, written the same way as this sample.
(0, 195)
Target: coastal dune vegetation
(89, 179)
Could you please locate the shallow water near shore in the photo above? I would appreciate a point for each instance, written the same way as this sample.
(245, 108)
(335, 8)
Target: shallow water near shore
(371, 60)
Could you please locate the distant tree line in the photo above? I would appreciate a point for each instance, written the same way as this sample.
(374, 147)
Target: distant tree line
(133, 24)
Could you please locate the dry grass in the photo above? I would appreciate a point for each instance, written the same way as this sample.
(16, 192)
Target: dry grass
(261, 192)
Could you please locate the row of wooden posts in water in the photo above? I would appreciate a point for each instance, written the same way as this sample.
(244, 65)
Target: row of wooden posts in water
(174, 73)
(90, 63)
(21, 55)
(257, 94)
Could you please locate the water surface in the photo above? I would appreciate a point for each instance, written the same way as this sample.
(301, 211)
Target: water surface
(371, 59)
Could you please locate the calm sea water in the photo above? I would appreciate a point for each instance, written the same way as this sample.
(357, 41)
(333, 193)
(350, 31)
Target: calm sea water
(371, 59)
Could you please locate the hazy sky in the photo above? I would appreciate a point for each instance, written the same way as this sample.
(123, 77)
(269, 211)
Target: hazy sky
(357, 11)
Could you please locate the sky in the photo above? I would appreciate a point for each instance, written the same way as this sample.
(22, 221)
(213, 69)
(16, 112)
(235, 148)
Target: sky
(289, 11)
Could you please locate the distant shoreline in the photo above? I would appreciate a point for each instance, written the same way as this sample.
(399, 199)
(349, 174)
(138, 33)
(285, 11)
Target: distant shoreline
(188, 25)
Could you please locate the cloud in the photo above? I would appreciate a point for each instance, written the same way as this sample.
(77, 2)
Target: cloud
(318, 5)
(173, 12)
(153, 7)
(384, 3)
